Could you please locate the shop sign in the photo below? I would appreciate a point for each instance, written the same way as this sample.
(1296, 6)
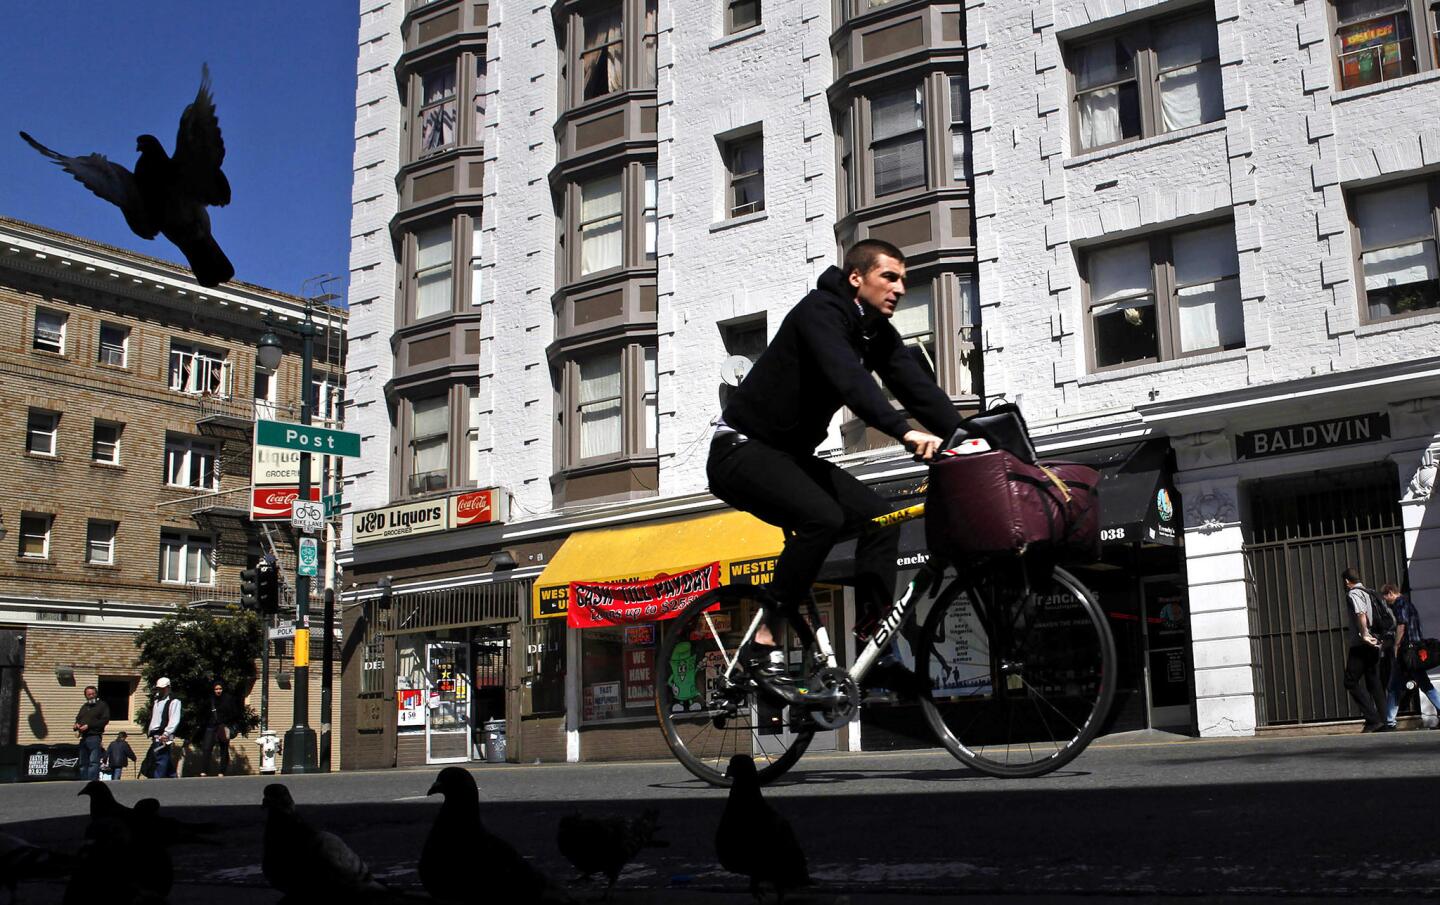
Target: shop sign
(719, 624)
(640, 635)
(639, 676)
(753, 571)
(410, 707)
(1163, 531)
(601, 701)
(276, 503)
(479, 507)
(271, 467)
(552, 601)
(404, 520)
(606, 603)
(1328, 434)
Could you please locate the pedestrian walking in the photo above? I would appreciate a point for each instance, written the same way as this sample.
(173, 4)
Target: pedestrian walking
(1362, 660)
(221, 724)
(1408, 633)
(118, 756)
(164, 720)
(90, 724)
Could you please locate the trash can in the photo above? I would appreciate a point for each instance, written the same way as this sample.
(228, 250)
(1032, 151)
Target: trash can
(495, 741)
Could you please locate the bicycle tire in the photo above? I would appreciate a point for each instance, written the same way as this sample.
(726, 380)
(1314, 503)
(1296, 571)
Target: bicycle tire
(1056, 675)
(701, 744)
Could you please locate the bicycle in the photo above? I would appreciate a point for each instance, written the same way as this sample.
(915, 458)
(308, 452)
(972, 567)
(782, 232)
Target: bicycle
(1014, 680)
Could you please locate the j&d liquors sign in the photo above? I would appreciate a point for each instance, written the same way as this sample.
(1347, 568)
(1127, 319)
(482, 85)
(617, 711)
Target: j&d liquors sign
(465, 510)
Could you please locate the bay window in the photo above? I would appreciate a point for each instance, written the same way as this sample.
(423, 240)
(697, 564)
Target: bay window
(601, 235)
(612, 404)
(602, 61)
(439, 110)
(1397, 247)
(429, 444)
(434, 271)
(897, 140)
(600, 407)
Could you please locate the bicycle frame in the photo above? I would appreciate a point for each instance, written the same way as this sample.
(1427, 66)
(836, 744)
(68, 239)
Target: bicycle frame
(900, 612)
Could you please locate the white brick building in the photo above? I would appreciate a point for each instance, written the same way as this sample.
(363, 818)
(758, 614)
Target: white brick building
(568, 217)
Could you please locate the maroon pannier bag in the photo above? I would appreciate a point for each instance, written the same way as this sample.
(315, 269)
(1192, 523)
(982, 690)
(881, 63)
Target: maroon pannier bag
(996, 504)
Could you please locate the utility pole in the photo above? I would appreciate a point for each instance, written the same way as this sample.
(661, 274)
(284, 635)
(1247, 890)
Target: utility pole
(300, 739)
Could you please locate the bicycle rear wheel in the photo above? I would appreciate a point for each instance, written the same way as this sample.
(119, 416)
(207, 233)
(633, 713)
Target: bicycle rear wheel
(709, 708)
(1020, 680)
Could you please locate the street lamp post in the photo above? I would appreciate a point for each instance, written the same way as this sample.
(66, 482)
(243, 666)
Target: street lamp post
(300, 739)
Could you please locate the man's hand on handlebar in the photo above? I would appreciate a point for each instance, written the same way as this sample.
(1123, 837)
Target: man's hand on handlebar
(923, 445)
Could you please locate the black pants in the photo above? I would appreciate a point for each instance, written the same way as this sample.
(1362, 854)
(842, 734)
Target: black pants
(1363, 663)
(815, 503)
(215, 735)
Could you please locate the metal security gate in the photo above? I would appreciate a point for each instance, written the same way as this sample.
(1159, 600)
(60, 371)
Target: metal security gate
(1302, 533)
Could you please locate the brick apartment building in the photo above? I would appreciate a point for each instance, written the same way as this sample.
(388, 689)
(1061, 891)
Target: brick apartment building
(128, 396)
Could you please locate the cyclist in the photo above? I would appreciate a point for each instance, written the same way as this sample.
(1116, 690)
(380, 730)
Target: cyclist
(762, 458)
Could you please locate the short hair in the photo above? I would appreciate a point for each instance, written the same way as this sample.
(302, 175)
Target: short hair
(1388, 588)
(863, 255)
(1350, 575)
(91, 688)
(121, 734)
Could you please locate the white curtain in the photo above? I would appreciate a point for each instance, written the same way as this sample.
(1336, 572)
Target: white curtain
(198, 567)
(1208, 293)
(600, 234)
(1121, 273)
(1397, 236)
(430, 427)
(170, 559)
(433, 283)
(1100, 118)
(912, 317)
(897, 135)
(603, 60)
(600, 409)
(1188, 53)
(650, 206)
(1100, 64)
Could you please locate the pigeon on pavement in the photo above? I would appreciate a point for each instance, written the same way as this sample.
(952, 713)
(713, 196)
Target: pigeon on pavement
(756, 840)
(309, 864)
(461, 855)
(606, 844)
(115, 867)
(21, 860)
(154, 827)
(103, 806)
(167, 194)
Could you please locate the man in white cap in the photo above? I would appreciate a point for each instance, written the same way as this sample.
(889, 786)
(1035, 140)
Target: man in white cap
(164, 720)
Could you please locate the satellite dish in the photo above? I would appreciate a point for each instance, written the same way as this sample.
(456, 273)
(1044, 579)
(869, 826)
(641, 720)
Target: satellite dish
(734, 370)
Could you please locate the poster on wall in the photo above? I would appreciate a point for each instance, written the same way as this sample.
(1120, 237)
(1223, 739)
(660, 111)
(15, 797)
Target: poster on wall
(601, 701)
(960, 659)
(639, 676)
(409, 704)
(596, 604)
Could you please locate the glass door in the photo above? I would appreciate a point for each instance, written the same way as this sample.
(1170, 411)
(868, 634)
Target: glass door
(1167, 655)
(448, 706)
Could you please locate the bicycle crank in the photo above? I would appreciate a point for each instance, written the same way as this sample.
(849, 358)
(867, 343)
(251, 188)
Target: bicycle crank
(837, 695)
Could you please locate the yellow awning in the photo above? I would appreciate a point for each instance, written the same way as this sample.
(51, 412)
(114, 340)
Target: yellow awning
(744, 546)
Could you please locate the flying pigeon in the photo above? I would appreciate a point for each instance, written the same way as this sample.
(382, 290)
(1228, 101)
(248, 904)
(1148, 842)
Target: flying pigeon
(21, 860)
(460, 849)
(754, 839)
(167, 194)
(606, 844)
(309, 864)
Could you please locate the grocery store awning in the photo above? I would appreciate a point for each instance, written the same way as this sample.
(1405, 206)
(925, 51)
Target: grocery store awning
(740, 547)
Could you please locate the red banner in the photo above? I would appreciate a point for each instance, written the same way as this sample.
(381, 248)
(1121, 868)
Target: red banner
(595, 604)
(277, 502)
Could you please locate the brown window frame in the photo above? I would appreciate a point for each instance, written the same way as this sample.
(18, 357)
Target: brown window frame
(1146, 75)
(412, 440)
(733, 23)
(634, 219)
(1423, 38)
(731, 151)
(469, 70)
(633, 404)
(1163, 293)
(1431, 186)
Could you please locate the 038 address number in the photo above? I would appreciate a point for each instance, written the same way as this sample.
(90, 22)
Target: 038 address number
(1112, 534)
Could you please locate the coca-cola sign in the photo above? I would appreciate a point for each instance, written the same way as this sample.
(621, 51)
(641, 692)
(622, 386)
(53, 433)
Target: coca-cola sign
(276, 502)
(480, 507)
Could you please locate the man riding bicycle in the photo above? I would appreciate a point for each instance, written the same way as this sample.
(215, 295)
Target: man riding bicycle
(762, 458)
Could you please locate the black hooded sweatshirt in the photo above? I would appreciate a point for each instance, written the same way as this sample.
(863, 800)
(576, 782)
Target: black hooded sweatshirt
(820, 359)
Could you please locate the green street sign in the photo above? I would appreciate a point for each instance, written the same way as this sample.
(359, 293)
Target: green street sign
(319, 440)
(309, 556)
(332, 505)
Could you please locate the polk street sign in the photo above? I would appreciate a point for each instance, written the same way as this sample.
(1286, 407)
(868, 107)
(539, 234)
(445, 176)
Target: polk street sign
(309, 556)
(319, 440)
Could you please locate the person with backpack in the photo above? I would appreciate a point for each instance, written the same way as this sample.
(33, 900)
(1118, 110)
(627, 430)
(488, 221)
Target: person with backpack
(1362, 660)
(1407, 634)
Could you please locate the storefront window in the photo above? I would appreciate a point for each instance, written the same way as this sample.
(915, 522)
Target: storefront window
(410, 683)
(545, 666)
(619, 671)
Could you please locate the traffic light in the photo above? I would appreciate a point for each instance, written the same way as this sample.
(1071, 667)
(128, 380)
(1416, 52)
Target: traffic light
(250, 588)
(268, 585)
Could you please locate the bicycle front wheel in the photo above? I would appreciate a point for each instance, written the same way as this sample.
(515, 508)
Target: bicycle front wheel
(1020, 679)
(709, 708)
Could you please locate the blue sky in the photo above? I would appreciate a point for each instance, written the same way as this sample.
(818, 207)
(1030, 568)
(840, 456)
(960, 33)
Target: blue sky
(89, 77)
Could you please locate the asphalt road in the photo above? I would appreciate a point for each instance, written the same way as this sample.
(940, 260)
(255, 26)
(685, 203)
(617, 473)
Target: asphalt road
(1148, 818)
